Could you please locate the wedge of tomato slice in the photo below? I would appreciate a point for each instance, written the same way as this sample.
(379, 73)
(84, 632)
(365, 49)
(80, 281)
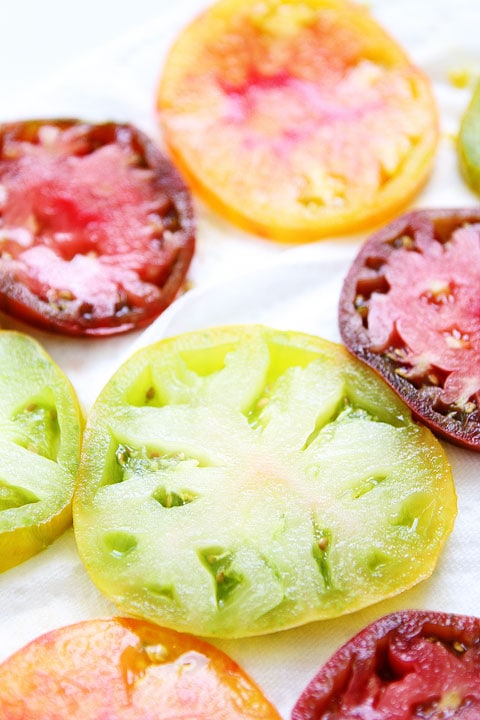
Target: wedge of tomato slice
(297, 119)
(126, 669)
(407, 665)
(410, 308)
(41, 431)
(96, 226)
(241, 480)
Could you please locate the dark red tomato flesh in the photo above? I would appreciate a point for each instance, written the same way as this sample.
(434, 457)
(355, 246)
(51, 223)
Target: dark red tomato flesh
(410, 664)
(96, 226)
(410, 308)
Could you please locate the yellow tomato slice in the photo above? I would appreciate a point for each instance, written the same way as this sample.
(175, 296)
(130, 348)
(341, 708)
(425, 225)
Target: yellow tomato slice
(297, 119)
(126, 669)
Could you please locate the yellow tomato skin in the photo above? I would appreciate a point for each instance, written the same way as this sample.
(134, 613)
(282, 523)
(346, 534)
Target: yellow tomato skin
(21, 543)
(297, 120)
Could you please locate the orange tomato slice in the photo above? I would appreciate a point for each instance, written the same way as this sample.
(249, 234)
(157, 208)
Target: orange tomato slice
(297, 119)
(126, 669)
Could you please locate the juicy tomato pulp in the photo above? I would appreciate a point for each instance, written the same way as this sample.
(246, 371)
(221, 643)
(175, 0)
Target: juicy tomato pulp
(320, 122)
(96, 226)
(126, 669)
(407, 665)
(242, 480)
(41, 433)
(410, 308)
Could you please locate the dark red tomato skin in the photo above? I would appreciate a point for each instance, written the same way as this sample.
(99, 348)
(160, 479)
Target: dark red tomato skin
(409, 664)
(457, 424)
(136, 275)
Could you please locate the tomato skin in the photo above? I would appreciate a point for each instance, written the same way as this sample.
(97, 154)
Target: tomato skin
(409, 664)
(126, 669)
(322, 125)
(97, 226)
(409, 309)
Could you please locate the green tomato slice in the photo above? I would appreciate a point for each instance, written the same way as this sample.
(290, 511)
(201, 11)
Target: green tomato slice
(241, 480)
(40, 436)
(468, 143)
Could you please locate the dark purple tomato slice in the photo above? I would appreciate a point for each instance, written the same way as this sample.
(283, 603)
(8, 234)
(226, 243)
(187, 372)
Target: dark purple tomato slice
(410, 664)
(410, 308)
(96, 226)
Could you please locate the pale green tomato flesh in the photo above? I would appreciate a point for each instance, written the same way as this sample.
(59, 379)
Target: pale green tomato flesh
(468, 144)
(241, 480)
(40, 437)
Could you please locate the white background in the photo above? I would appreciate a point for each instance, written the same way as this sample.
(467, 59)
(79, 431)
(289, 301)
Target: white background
(39, 37)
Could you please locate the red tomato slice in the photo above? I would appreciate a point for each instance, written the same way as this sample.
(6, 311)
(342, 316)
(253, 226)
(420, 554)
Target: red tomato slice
(297, 119)
(410, 308)
(96, 226)
(407, 665)
(125, 669)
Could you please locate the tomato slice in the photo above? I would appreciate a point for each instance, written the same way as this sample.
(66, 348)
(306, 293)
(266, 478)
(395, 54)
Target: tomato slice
(297, 118)
(410, 664)
(468, 143)
(241, 480)
(126, 669)
(97, 229)
(41, 431)
(409, 308)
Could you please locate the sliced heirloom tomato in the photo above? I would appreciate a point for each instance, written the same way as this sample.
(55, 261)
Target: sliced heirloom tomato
(41, 431)
(96, 226)
(297, 119)
(468, 143)
(126, 669)
(410, 308)
(407, 665)
(241, 480)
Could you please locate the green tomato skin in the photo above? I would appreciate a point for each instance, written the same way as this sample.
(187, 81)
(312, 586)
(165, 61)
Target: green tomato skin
(242, 480)
(41, 431)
